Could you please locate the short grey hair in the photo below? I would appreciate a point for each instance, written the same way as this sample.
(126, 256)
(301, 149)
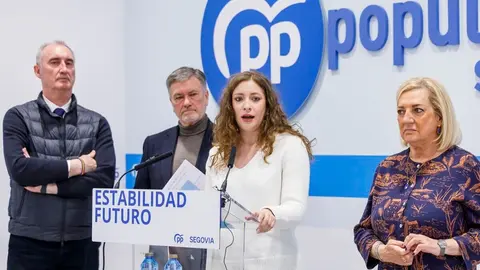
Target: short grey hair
(44, 45)
(184, 73)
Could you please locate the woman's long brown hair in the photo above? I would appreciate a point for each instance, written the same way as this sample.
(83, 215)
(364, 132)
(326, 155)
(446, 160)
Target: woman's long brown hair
(226, 131)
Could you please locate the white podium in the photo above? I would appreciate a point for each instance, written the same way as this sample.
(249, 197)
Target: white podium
(174, 218)
(157, 217)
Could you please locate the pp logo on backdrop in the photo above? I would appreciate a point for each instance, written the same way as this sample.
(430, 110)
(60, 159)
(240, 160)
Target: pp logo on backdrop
(178, 238)
(282, 39)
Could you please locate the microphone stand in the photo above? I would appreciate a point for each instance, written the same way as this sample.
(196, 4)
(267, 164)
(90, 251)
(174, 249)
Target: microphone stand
(223, 190)
(117, 186)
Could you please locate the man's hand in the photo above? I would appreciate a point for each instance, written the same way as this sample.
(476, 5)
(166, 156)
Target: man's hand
(25, 152)
(50, 189)
(76, 164)
(90, 163)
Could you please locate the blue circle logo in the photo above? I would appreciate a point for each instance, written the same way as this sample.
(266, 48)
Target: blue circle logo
(282, 39)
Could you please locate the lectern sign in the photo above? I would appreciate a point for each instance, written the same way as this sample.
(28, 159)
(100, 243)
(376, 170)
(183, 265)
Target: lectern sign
(156, 217)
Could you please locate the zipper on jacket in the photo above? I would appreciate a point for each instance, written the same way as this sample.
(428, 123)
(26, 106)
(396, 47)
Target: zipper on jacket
(62, 232)
(63, 134)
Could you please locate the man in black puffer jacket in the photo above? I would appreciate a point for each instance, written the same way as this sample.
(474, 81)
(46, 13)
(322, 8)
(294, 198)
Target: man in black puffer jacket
(56, 152)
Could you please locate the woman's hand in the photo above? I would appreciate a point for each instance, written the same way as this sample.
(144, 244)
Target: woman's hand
(266, 219)
(417, 243)
(394, 252)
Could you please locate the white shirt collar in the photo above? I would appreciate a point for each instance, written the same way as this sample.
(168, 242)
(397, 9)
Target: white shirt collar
(52, 105)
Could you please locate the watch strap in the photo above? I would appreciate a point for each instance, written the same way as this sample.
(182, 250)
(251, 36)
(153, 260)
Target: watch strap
(43, 189)
(442, 244)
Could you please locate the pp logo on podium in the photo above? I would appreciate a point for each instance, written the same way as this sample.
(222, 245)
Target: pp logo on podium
(178, 238)
(282, 39)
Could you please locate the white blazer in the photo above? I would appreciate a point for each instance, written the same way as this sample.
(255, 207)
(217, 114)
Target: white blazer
(282, 185)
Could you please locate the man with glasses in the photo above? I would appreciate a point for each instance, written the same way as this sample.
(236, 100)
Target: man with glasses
(190, 140)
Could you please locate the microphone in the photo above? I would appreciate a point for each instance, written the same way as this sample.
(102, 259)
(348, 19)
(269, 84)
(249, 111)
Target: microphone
(148, 162)
(152, 160)
(230, 163)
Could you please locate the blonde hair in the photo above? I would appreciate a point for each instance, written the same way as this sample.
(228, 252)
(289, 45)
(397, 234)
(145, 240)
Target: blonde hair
(450, 133)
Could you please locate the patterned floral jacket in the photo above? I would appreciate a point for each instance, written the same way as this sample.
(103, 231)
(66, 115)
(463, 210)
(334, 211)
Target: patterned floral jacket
(439, 199)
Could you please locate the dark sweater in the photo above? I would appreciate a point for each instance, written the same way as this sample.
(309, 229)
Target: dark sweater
(50, 140)
(38, 171)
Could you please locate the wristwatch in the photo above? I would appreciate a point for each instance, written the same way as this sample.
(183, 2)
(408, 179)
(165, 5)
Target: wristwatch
(443, 245)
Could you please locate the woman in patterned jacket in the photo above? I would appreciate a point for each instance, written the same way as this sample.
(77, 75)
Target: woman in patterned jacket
(423, 211)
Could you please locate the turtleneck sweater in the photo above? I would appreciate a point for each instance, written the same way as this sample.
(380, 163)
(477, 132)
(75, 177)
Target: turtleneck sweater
(189, 142)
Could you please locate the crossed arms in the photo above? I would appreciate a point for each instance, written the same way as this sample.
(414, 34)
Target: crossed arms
(53, 175)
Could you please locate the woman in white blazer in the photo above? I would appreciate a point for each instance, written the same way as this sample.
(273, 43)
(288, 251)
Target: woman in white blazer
(271, 172)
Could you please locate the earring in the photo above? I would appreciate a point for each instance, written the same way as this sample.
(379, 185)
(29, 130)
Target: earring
(439, 130)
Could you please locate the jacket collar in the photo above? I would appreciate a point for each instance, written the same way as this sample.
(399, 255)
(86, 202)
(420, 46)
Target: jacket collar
(43, 104)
